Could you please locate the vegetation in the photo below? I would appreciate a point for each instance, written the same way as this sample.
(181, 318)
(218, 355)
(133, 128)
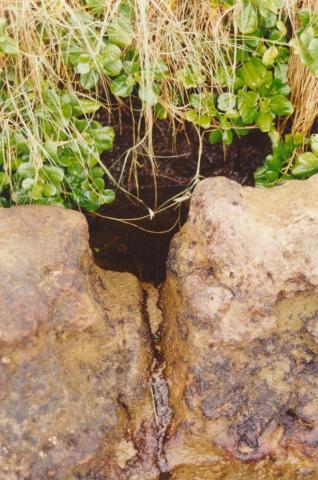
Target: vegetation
(225, 66)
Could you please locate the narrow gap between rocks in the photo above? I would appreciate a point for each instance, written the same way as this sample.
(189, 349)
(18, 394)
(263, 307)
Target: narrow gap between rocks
(143, 249)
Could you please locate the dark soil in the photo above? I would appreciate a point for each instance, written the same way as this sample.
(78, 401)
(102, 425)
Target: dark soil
(121, 247)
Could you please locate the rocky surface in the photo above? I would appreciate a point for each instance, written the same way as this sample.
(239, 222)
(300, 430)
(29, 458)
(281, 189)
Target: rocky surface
(241, 340)
(213, 377)
(75, 357)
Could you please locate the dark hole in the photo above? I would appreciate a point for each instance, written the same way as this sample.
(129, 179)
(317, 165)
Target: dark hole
(291, 414)
(165, 476)
(121, 247)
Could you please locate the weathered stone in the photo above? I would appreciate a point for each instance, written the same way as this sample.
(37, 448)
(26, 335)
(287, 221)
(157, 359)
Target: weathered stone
(75, 357)
(241, 341)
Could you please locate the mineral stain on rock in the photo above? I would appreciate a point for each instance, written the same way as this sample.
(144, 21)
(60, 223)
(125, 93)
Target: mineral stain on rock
(212, 377)
(242, 370)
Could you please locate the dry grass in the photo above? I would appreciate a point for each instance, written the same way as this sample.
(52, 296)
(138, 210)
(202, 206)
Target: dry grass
(182, 33)
(304, 85)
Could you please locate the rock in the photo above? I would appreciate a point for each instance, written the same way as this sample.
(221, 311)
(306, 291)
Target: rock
(241, 337)
(75, 356)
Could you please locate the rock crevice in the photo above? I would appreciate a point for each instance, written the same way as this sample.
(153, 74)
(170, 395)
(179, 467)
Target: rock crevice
(212, 377)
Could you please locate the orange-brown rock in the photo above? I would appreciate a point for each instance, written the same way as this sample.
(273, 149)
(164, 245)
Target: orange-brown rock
(75, 357)
(241, 343)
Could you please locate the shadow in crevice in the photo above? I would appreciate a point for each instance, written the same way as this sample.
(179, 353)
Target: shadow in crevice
(122, 247)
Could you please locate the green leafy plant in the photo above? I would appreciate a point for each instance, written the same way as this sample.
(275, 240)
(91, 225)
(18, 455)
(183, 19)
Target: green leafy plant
(306, 42)
(256, 73)
(94, 55)
(288, 160)
(50, 142)
(61, 164)
(50, 145)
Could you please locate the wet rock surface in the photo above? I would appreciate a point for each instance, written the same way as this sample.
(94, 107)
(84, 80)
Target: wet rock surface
(214, 376)
(75, 357)
(241, 312)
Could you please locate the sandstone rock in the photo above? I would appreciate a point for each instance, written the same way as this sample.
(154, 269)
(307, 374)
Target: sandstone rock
(75, 357)
(241, 343)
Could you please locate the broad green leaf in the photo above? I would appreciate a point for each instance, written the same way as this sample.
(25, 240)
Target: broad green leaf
(215, 136)
(203, 103)
(226, 101)
(21, 143)
(50, 149)
(8, 46)
(97, 172)
(49, 190)
(281, 28)
(160, 111)
(71, 53)
(204, 121)
(253, 73)
(103, 137)
(248, 103)
(280, 88)
(248, 19)
(28, 184)
(90, 201)
(120, 88)
(281, 72)
(304, 15)
(131, 67)
(273, 162)
(110, 59)
(66, 107)
(66, 158)
(36, 192)
(270, 6)
(26, 170)
(307, 36)
(54, 174)
(224, 76)
(148, 94)
(120, 31)
(192, 116)
(191, 77)
(306, 165)
(270, 56)
(84, 64)
(281, 106)
(159, 70)
(298, 139)
(265, 121)
(113, 69)
(107, 197)
(110, 53)
(98, 183)
(85, 106)
(89, 80)
(227, 137)
(127, 8)
(196, 100)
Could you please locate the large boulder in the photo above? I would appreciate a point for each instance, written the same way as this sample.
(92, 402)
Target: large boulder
(241, 341)
(75, 356)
